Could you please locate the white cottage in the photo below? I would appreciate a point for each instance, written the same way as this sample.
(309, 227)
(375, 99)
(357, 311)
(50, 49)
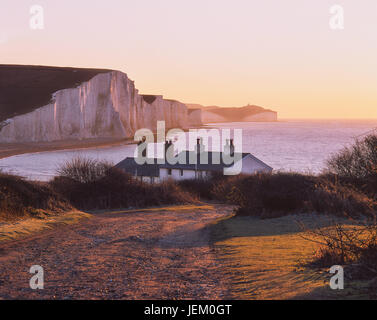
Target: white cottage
(193, 165)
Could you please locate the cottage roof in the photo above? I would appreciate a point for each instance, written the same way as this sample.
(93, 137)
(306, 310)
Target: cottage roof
(145, 170)
(215, 163)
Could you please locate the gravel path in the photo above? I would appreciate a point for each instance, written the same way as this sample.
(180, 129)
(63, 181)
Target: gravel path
(157, 254)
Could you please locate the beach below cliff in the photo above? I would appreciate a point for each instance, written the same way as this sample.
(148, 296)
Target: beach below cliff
(13, 149)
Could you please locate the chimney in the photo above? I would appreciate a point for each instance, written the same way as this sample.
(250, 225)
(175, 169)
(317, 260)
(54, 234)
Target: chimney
(142, 147)
(199, 145)
(169, 149)
(227, 147)
(166, 146)
(231, 147)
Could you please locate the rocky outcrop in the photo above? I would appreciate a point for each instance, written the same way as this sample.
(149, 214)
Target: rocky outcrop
(106, 106)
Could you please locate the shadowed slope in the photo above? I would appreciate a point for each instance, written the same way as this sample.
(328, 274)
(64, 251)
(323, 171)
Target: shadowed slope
(26, 88)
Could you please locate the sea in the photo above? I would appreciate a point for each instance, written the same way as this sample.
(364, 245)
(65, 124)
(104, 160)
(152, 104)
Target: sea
(287, 146)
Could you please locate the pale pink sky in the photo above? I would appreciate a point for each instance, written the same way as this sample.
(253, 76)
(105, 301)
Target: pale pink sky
(280, 54)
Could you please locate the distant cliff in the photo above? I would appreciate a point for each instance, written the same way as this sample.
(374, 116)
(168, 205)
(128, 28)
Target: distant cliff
(248, 113)
(49, 104)
(195, 117)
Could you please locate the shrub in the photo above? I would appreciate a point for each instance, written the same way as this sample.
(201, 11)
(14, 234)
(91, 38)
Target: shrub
(198, 188)
(345, 245)
(117, 189)
(226, 189)
(272, 195)
(20, 198)
(275, 195)
(83, 169)
(357, 161)
(207, 189)
(336, 197)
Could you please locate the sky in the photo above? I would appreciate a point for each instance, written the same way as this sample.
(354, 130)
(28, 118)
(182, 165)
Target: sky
(279, 54)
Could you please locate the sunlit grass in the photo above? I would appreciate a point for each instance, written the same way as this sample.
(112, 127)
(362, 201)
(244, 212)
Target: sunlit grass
(264, 259)
(163, 208)
(27, 227)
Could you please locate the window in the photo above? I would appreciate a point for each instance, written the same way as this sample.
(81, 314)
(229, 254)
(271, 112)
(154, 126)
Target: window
(181, 172)
(169, 172)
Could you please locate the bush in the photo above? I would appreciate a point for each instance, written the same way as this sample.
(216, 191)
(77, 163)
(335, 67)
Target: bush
(20, 198)
(84, 170)
(275, 195)
(198, 188)
(226, 189)
(117, 189)
(271, 195)
(207, 189)
(357, 164)
(345, 245)
(348, 187)
(336, 197)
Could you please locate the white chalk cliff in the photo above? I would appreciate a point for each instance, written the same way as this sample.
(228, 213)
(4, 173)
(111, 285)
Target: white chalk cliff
(107, 106)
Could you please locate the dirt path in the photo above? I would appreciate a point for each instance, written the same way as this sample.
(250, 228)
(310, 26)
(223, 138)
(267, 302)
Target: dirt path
(157, 254)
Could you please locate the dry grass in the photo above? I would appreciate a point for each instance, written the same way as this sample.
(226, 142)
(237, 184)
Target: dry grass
(84, 169)
(94, 185)
(264, 259)
(21, 199)
(28, 207)
(280, 194)
(173, 208)
(27, 227)
(156, 254)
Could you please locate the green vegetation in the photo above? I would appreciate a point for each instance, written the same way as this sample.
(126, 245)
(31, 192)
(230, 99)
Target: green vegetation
(271, 259)
(346, 190)
(21, 199)
(276, 195)
(83, 184)
(89, 184)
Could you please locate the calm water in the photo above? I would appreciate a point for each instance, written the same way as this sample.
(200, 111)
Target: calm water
(290, 145)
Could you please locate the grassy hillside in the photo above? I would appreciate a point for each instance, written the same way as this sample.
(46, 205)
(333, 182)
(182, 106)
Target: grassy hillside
(82, 184)
(25, 88)
(21, 199)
